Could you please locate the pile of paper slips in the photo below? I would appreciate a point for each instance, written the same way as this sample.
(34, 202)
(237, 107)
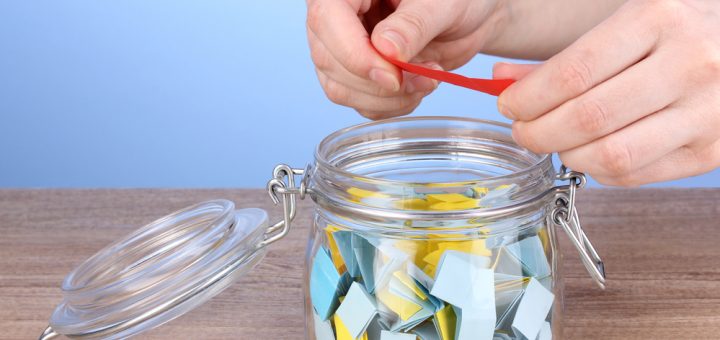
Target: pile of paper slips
(440, 287)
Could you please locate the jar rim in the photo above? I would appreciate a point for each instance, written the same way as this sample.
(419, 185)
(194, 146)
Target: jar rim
(324, 162)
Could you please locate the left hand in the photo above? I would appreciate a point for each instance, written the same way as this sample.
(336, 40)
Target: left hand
(635, 100)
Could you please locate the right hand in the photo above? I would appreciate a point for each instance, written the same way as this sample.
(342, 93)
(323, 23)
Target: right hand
(440, 34)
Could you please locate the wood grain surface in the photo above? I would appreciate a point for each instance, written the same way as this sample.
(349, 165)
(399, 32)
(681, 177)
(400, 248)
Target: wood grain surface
(661, 249)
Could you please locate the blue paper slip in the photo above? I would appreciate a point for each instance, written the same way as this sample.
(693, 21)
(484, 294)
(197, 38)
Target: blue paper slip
(376, 261)
(507, 303)
(464, 280)
(357, 310)
(498, 196)
(413, 321)
(323, 329)
(325, 285)
(530, 253)
(387, 335)
(507, 264)
(375, 328)
(475, 323)
(343, 240)
(365, 257)
(533, 309)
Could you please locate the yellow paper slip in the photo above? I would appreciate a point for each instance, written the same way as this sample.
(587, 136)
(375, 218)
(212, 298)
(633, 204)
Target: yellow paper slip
(362, 193)
(334, 250)
(412, 204)
(475, 247)
(447, 198)
(480, 192)
(446, 206)
(343, 333)
(407, 281)
(402, 307)
(445, 321)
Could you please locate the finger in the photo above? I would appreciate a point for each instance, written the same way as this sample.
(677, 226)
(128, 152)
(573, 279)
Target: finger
(343, 95)
(337, 25)
(377, 115)
(326, 63)
(635, 146)
(405, 32)
(643, 89)
(512, 71)
(681, 163)
(605, 51)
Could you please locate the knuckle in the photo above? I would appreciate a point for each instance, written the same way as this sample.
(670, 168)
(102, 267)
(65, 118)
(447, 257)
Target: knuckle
(415, 22)
(592, 117)
(625, 181)
(320, 58)
(669, 13)
(575, 75)
(372, 115)
(525, 139)
(571, 162)
(712, 62)
(707, 63)
(621, 181)
(315, 13)
(409, 108)
(357, 63)
(615, 158)
(336, 92)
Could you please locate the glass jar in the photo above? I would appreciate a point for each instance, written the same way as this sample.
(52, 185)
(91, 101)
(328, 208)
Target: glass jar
(440, 228)
(428, 227)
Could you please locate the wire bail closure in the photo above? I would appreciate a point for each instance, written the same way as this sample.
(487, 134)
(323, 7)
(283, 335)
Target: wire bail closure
(565, 214)
(283, 185)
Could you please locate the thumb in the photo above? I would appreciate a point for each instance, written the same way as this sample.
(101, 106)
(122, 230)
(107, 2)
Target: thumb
(405, 32)
(503, 70)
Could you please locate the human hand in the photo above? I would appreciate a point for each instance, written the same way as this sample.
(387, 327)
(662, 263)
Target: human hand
(348, 61)
(635, 100)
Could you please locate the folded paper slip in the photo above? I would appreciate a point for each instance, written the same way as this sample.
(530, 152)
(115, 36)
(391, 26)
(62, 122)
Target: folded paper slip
(326, 285)
(534, 307)
(357, 310)
(490, 86)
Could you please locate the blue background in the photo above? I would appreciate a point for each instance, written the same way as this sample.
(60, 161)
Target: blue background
(172, 94)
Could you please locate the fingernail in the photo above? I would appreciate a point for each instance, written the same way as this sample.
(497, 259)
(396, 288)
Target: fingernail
(395, 38)
(505, 110)
(385, 79)
(420, 84)
(498, 65)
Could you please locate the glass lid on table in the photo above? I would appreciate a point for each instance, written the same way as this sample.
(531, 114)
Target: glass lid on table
(159, 272)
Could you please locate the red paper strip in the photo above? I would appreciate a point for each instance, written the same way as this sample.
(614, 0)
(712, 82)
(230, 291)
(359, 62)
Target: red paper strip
(490, 86)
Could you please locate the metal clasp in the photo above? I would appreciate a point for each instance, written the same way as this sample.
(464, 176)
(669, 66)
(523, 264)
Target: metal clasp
(565, 214)
(283, 185)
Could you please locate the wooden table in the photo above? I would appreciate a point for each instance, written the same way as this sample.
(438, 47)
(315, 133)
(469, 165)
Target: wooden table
(661, 249)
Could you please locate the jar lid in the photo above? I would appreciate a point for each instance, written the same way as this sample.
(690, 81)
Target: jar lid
(160, 271)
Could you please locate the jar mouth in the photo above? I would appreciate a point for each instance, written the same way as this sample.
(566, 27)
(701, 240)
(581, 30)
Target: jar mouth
(324, 156)
(435, 166)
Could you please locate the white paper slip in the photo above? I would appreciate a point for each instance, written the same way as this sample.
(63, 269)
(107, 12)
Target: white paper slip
(533, 309)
